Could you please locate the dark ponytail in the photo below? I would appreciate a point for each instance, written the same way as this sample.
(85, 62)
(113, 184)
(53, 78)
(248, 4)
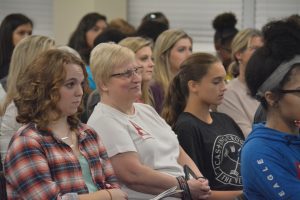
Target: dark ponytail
(193, 68)
(175, 101)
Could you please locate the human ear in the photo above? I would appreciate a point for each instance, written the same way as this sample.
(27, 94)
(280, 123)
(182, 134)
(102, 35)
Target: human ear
(192, 85)
(271, 99)
(103, 86)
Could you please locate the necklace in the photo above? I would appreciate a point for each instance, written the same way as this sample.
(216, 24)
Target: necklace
(70, 138)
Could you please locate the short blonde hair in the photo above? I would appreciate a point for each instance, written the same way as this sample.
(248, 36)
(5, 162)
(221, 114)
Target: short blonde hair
(105, 57)
(163, 45)
(24, 53)
(135, 43)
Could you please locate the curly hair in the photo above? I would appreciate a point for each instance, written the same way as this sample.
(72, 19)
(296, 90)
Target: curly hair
(38, 89)
(281, 44)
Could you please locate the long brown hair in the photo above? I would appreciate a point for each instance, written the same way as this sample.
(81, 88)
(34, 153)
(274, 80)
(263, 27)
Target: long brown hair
(38, 89)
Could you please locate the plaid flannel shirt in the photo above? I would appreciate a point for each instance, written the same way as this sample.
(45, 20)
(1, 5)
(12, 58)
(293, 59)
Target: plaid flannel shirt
(39, 165)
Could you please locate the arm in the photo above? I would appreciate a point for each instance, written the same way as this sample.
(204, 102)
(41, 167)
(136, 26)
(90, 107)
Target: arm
(264, 165)
(143, 179)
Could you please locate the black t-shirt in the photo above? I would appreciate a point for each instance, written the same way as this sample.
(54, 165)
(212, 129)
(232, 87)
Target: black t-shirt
(215, 148)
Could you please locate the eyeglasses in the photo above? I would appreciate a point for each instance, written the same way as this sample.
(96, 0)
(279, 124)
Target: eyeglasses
(295, 92)
(129, 72)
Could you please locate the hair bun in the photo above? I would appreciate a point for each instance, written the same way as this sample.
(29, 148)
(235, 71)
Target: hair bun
(282, 37)
(224, 21)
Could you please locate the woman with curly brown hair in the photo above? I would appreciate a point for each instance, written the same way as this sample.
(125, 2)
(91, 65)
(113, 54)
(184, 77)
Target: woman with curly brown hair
(54, 156)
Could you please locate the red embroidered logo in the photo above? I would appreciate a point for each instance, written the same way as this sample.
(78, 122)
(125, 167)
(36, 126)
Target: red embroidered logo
(298, 169)
(140, 131)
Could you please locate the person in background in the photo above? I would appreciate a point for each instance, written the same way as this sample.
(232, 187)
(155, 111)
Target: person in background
(144, 152)
(156, 16)
(270, 156)
(58, 157)
(152, 25)
(171, 48)
(13, 29)
(151, 29)
(224, 25)
(24, 53)
(109, 35)
(123, 26)
(82, 39)
(237, 103)
(213, 140)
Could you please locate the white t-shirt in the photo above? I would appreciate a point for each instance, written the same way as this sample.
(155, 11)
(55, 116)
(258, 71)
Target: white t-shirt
(144, 132)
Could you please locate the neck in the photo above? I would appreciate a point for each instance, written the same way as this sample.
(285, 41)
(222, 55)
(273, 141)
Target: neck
(241, 76)
(280, 124)
(122, 106)
(60, 127)
(198, 109)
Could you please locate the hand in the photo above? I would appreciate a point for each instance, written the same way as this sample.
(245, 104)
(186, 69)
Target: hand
(118, 194)
(199, 188)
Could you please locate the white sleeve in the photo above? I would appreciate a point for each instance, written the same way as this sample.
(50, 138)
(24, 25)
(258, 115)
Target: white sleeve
(114, 134)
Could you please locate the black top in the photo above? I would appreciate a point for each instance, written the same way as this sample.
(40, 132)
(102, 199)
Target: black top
(215, 148)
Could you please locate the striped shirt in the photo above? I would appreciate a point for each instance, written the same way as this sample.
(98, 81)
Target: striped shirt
(39, 165)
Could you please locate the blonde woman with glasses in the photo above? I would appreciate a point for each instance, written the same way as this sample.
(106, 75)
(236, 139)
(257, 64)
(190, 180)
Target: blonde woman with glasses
(142, 147)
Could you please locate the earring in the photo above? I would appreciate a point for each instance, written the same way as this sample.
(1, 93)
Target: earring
(297, 123)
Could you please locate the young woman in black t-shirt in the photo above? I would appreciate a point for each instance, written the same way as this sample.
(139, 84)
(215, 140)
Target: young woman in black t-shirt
(213, 140)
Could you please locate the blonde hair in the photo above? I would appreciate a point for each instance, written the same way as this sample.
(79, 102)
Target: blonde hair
(24, 53)
(70, 50)
(163, 45)
(106, 56)
(239, 44)
(135, 44)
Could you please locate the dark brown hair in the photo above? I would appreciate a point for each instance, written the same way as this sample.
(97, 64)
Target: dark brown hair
(193, 68)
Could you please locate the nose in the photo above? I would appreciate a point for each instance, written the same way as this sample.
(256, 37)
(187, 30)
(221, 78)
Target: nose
(79, 90)
(223, 86)
(151, 63)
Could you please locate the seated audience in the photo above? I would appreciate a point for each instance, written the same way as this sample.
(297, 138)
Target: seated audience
(54, 155)
(271, 153)
(143, 149)
(213, 140)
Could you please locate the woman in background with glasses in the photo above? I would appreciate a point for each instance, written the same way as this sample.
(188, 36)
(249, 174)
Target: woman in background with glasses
(143, 149)
(237, 102)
